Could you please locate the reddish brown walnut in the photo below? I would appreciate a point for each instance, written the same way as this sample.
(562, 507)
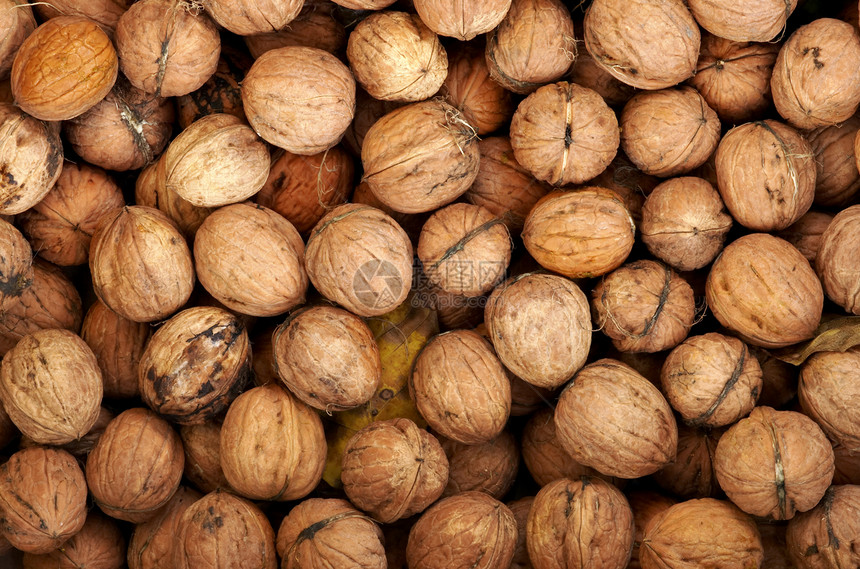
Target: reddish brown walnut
(589, 73)
(148, 192)
(315, 26)
(837, 264)
(152, 543)
(99, 545)
(202, 446)
(544, 456)
(837, 180)
(828, 391)
(105, 13)
(691, 474)
(490, 467)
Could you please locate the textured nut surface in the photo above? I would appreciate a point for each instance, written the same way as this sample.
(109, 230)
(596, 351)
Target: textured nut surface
(645, 505)
(837, 180)
(826, 536)
(99, 545)
(757, 20)
(485, 104)
(202, 446)
(828, 391)
(462, 20)
(17, 22)
(16, 265)
(221, 93)
(837, 264)
(588, 73)
(691, 474)
(249, 17)
(315, 26)
(544, 456)
(152, 542)
(490, 467)
(105, 13)
(148, 192)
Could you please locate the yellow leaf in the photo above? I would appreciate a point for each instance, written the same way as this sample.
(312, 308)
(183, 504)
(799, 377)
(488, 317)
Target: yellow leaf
(836, 335)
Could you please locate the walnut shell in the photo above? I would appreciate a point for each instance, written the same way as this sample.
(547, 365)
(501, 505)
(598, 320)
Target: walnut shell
(222, 91)
(392, 469)
(315, 26)
(582, 523)
(532, 46)
(396, 57)
(51, 386)
(658, 48)
(217, 160)
(483, 528)
(99, 545)
(551, 356)
(151, 545)
(81, 447)
(462, 21)
(645, 506)
(221, 530)
(564, 134)
(630, 183)
(166, 47)
(63, 69)
(765, 174)
(51, 301)
(485, 104)
(60, 227)
(250, 17)
(644, 306)
(837, 180)
(734, 77)
(325, 532)
(586, 232)
(148, 192)
(360, 258)
(304, 188)
(31, 160)
(521, 508)
(827, 391)
(17, 22)
(588, 73)
(691, 474)
(298, 98)
(478, 409)
(201, 444)
(611, 418)
(764, 289)
(367, 111)
(490, 467)
(774, 463)
(756, 20)
(701, 533)
(364, 4)
(669, 132)
(140, 264)
(251, 259)
(420, 157)
(711, 380)
(16, 264)
(816, 71)
(105, 13)
(272, 446)
(837, 264)
(195, 364)
(684, 223)
(825, 535)
(43, 499)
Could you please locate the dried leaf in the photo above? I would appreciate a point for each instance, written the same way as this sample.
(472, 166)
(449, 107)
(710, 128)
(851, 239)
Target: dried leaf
(837, 335)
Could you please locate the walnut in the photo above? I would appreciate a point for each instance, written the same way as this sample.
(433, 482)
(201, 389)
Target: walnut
(462, 21)
(315, 26)
(837, 263)
(630, 183)
(757, 20)
(825, 535)
(367, 111)
(837, 180)
(222, 91)
(17, 22)
(490, 467)
(828, 390)
(151, 545)
(249, 17)
(106, 13)
(201, 443)
(521, 508)
(16, 264)
(148, 192)
(588, 73)
(691, 474)
(774, 463)
(98, 545)
(645, 506)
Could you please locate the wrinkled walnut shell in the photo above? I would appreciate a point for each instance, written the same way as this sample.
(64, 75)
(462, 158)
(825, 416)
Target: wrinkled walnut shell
(148, 192)
(16, 264)
(837, 180)
(201, 444)
(315, 26)
(828, 391)
(151, 545)
(821, 536)
(250, 17)
(106, 13)
(99, 545)
(837, 263)
(462, 21)
(691, 474)
(17, 22)
(645, 505)
(755, 20)
(490, 467)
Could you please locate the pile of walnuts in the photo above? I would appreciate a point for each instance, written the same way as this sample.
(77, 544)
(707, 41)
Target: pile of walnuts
(429, 284)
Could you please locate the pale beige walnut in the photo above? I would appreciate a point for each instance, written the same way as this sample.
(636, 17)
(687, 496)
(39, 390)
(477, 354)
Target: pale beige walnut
(564, 134)
(99, 545)
(669, 132)
(485, 104)
(140, 264)
(521, 508)
(712, 380)
(658, 48)
(31, 159)
(249, 17)
(66, 66)
(837, 263)
(360, 258)
(532, 46)
(691, 474)
(304, 188)
(828, 391)
(222, 92)
(490, 467)
(614, 420)
(462, 20)
(757, 20)
(16, 264)
(396, 57)
(17, 22)
(151, 545)
(43, 499)
(579, 233)
(328, 358)
(644, 306)
(51, 301)
(645, 505)
(734, 77)
(579, 523)
(393, 469)
(117, 344)
(837, 180)
(548, 356)
(630, 183)
(272, 445)
(147, 192)
(701, 533)
(685, 223)
(464, 249)
(826, 536)
(51, 386)
(195, 364)
(299, 98)
(251, 259)
(765, 174)
(588, 73)
(323, 532)
(202, 446)
(218, 160)
(315, 26)
(774, 463)
(60, 227)
(763, 289)
(126, 130)
(420, 157)
(167, 47)
(224, 531)
(816, 73)
(484, 529)
(105, 13)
